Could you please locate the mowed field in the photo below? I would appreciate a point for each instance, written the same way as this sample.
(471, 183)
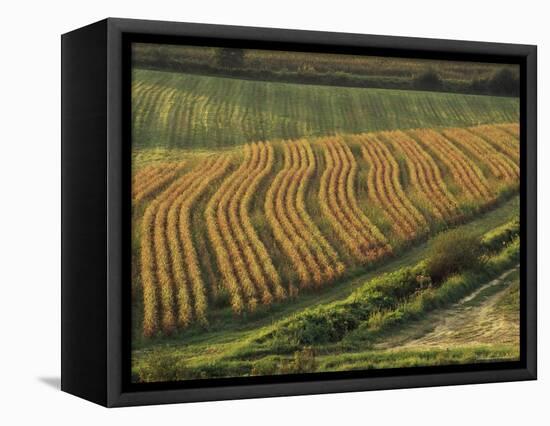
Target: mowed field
(260, 209)
(174, 110)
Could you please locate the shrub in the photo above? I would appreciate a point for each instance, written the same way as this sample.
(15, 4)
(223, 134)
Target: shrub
(429, 80)
(264, 367)
(159, 366)
(506, 258)
(450, 291)
(403, 294)
(303, 362)
(321, 325)
(501, 236)
(332, 322)
(230, 58)
(451, 253)
(504, 82)
(222, 298)
(389, 289)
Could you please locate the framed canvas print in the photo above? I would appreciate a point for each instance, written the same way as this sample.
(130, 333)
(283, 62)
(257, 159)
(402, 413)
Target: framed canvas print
(253, 212)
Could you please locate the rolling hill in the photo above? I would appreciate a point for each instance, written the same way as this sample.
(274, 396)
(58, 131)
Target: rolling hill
(175, 110)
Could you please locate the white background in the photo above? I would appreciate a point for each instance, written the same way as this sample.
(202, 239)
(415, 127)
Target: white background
(30, 211)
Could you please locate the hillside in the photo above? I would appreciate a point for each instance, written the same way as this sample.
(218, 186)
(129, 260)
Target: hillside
(279, 219)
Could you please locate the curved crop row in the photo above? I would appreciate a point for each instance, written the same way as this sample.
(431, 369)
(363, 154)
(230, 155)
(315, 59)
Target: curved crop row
(230, 263)
(300, 173)
(281, 213)
(425, 175)
(191, 299)
(511, 128)
(317, 261)
(351, 170)
(500, 139)
(148, 279)
(155, 261)
(145, 101)
(153, 178)
(466, 174)
(308, 166)
(265, 165)
(247, 270)
(384, 189)
(253, 165)
(144, 176)
(499, 165)
(170, 274)
(338, 203)
(175, 289)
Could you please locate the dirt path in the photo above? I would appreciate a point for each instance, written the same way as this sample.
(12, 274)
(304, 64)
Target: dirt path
(477, 319)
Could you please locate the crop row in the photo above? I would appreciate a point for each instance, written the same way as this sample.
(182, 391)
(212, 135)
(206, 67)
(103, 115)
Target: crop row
(247, 271)
(314, 259)
(339, 204)
(501, 139)
(511, 128)
(152, 178)
(499, 164)
(466, 174)
(384, 189)
(173, 288)
(286, 216)
(425, 175)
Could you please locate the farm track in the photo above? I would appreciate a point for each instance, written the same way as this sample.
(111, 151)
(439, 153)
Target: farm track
(472, 321)
(511, 128)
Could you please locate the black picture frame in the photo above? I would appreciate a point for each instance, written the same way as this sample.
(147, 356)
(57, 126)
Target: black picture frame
(96, 207)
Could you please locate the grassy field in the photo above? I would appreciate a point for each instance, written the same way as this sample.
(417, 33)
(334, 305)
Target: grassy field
(175, 110)
(281, 228)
